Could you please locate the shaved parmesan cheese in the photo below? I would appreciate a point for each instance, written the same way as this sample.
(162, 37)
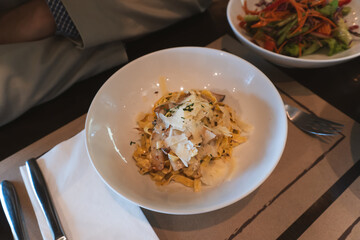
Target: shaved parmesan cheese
(220, 130)
(175, 162)
(196, 131)
(176, 120)
(172, 140)
(208, 136)
(159, 144)
(224, 130)
(185, 150)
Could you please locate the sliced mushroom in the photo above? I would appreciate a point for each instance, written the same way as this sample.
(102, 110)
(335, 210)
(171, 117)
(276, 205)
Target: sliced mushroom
(219, 97)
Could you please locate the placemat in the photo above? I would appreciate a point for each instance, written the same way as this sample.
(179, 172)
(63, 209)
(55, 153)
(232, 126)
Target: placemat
(314, 192)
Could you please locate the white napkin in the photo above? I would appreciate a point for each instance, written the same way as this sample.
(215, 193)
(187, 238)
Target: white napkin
(87, 208)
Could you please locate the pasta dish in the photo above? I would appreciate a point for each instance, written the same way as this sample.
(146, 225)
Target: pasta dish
(189, 138)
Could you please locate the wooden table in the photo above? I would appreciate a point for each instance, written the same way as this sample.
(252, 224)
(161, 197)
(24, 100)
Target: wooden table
(332, 92)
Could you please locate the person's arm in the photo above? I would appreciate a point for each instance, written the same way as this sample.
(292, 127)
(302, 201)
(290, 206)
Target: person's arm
(27, 22)
(104, 21)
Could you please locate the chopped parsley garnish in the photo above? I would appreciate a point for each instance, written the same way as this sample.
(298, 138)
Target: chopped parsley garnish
(178, 106)
(169, 112)
(131, 143)
(189, 107)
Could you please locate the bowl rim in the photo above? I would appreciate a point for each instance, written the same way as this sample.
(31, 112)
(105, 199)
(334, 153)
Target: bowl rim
(219, 205)
(278, 55)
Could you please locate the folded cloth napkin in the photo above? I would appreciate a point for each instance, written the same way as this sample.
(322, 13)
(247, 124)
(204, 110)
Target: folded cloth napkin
(87, 208)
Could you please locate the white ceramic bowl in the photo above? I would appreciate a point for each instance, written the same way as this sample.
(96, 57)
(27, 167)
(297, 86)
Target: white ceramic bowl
(317, 60)
(111, 122)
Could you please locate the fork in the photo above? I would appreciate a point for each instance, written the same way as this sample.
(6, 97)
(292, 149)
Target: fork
(311, 123)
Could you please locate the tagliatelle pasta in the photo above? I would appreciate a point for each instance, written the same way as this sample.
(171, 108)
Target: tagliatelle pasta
(188, 138)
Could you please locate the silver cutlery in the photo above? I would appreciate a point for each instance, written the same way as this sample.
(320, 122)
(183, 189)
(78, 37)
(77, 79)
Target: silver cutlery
(11, 206)
(42, 194)
(311, 123)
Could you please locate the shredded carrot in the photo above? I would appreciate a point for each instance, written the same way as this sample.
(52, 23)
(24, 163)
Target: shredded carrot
(325, 29)
(314, 28)
(317, 3)
(300, 49)
(299, 9)
(265, 21)
(260, 24)
(301, 23)
(318, 15)
(247, 11)
(277, 14)
(269, 17)
(270, 43)
(281, 46)
(240, 18)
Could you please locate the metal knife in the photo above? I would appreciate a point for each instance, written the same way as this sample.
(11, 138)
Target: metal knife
(42, 194)
(11, 206)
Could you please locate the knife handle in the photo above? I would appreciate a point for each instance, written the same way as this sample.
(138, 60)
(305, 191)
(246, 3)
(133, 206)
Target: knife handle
(11, 205)
(42, 194)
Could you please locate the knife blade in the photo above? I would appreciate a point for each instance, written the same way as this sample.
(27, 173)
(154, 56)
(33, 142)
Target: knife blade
(12, 209)
(43, 196)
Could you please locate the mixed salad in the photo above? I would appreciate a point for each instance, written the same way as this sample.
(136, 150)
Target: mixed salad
(300, 27)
